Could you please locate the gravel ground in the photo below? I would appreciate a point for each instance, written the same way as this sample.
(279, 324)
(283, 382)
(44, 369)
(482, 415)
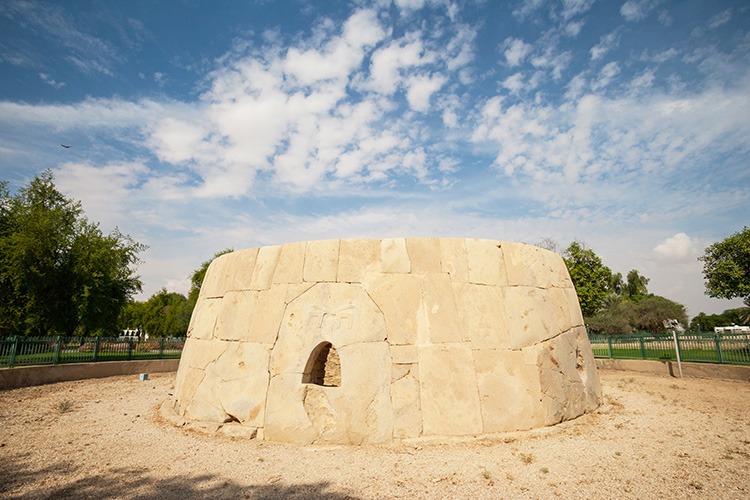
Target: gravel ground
(654, 437)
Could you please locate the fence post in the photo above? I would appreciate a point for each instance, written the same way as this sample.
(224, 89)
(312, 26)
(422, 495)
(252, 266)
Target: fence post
(643, 347)
(609, 343)
(96, 349)
(161, 348)
(130, 349)
(58, 347)
(719, 354)
(13, 351)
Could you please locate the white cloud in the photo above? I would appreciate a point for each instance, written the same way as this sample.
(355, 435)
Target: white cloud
(720, 19)
(421, 89)
(606, 75)
(389, 62)
(573, 28)
(516, 51)
(49, 81)
(575, 7)
(527, 7)
(636, 10)
(514, 83)
(606, 43)
(679, 247)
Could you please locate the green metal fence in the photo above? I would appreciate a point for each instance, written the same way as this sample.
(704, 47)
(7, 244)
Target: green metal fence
(693, 347)
(22, 351)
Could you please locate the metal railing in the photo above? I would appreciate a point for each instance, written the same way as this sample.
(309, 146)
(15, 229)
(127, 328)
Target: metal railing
(23, 351)
(693, 347)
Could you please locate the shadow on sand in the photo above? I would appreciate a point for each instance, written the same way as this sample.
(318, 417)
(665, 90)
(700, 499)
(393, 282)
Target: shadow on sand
(53, 481)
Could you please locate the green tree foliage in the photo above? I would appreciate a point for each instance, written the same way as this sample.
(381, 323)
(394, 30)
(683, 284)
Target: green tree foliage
(636, 286)
(196, 279)
(612, 305)
(706, 322)
(652, 310)
(726, 267)
(625, 315)
(164, 314)
(59, 274)
(591, 278)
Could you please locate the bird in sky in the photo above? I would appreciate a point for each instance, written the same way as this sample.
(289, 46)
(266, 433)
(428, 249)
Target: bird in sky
(66, 147)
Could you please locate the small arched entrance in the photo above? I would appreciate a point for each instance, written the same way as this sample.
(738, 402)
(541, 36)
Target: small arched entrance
(323, 367)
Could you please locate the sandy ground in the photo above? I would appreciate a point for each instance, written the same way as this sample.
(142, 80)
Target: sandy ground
(654, 437)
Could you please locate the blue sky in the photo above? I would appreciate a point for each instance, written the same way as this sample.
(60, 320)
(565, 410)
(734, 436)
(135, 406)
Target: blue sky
(197, 126)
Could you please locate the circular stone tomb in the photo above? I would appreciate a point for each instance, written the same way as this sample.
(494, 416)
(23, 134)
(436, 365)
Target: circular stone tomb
(368, 341)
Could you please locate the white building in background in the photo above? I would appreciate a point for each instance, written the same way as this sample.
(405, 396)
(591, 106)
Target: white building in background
(732, 329)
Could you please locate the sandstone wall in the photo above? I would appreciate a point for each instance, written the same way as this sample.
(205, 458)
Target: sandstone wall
(431, 337)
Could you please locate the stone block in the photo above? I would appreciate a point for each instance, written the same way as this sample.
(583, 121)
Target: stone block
(424, 254)
(265, 267)
(574, 307)
(453, 259)
(439, 319)
(266, 319)
(485, 261)
(509, 391)
(399, 297)
(356, 258)
(235, 315)
(243, 263)
(407, 412)
(218, 277)
(393, 256)
(291, 263)
(321, 260)
(448, 388)
(481, 311)
(338, 313)
(530, 314)
(561, 308)
(404, 354)
(286, 419)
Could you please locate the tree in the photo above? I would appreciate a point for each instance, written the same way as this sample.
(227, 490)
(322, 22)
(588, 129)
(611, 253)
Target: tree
(636, 286)
(652, 310)
(164, 314)
(726, 267)
(59, 274)
(591, 278)
(196, 279)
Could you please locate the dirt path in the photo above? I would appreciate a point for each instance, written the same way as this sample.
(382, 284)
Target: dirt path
(655, 437)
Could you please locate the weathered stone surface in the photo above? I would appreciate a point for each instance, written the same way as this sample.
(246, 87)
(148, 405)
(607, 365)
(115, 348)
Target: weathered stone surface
(449, 394)
(321, 260)
(399, 296)
(394, 257)
(530, 314)
(481, 311)
(235, 315)
(404, 354)
(243, 263)
(366, 341)
(356, 258)
(291, 263)
(203, 321)
(453, 259)
(485, 261)
(218, 277)
(265, 266)
(509, 391)
(439, 319)
(424, 254)
(407, 412)
(339, 313)
(266, 318)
